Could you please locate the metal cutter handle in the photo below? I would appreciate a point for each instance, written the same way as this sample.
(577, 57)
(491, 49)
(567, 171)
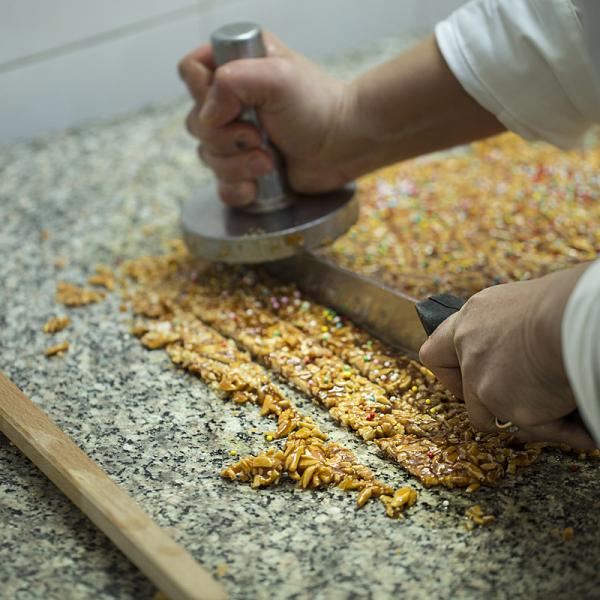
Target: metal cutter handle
(244, 40)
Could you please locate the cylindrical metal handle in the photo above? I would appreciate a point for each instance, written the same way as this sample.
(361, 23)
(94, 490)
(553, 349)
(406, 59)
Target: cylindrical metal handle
(244, 40)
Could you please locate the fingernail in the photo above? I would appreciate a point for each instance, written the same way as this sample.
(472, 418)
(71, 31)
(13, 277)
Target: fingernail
(246, 194)
(208, 112)
(258, 165)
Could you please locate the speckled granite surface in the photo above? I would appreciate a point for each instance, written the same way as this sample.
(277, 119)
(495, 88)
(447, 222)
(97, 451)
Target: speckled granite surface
(112, 190)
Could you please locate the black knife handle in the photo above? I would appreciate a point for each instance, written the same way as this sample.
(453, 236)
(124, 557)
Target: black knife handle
(436, 309)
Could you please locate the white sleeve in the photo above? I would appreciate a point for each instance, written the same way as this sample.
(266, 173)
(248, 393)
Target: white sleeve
(529, 63)
(581, 346)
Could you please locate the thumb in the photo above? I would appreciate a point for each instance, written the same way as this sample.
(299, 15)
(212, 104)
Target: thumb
(438, 354)
(262, 83)
(439, 350)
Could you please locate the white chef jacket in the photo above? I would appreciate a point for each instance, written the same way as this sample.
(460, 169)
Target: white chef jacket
(535, 64)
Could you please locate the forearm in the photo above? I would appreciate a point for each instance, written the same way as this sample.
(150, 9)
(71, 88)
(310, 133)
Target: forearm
(408, 106)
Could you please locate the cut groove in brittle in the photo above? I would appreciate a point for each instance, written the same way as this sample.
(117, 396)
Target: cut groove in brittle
(386, 398)
(306, 457)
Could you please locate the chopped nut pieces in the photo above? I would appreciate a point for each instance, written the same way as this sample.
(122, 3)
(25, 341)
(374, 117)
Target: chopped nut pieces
(402, 499)
(57, 349)
(306, 457)
(475, 513)
(55, 324)
(504, 210)
(103, 277)
(72, 295)
(566, 534)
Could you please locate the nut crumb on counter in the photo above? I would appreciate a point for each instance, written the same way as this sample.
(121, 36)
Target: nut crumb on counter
(478, 517)
(103, 277)
(59, 348)
(73, 295)
(54, 324)
(565, 534)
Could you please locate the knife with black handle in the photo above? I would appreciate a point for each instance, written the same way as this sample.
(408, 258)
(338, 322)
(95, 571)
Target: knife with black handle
(399, 320)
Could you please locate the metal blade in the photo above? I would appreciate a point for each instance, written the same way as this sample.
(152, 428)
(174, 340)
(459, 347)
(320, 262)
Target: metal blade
(386, 313)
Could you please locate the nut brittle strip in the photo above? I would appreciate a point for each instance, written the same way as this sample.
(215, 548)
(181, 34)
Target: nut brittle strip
(435, 443)
(306, 456)
(448, 452)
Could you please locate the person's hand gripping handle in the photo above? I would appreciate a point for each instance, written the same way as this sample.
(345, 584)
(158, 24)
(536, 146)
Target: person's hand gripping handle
(245, 40)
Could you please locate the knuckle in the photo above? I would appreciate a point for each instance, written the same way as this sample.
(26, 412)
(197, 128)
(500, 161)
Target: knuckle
(481, 390)
(235, 193)
(283, 68)
(461, 333)
(467, 333)
(223, 75)
(231, 169)
(425, 353)
(203, 155)
(227, 193)
(182, 68)
(190, 122)
(218, 139)
(526, 419)
(471, 304)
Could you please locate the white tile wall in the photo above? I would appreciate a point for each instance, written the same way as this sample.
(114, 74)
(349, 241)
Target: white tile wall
(93, 82)
(66, 61)
(29, 27)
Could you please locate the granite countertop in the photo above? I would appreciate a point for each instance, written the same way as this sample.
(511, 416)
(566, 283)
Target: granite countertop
(112, 190)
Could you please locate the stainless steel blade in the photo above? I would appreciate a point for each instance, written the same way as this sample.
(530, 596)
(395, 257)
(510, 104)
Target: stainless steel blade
(386, 313)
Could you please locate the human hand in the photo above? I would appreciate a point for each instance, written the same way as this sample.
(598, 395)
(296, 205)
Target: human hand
(301, 108)
(502, 354)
